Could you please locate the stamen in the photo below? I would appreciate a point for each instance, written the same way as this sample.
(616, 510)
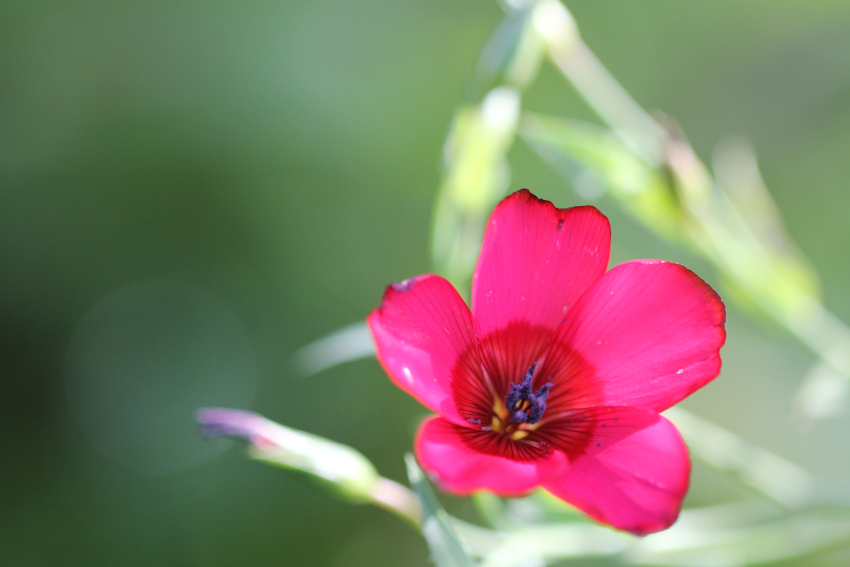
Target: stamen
(525, 405)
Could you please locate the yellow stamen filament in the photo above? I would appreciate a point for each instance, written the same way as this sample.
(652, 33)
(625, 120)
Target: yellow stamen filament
(501, 421)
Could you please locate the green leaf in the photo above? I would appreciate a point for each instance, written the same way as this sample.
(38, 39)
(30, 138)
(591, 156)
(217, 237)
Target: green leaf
(540, 544)
(343, 345)
(446, 548)
(782, 481)
(778, 540)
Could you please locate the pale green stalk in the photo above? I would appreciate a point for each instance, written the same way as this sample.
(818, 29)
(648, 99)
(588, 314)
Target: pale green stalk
(447, 549)
(476, 173)
(784, 482)
(633, 181)
(726, 222)
(774, 278)
(736, 534)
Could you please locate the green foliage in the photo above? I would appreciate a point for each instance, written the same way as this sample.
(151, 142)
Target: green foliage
(446, 549)
(649, 169)
(643, 190)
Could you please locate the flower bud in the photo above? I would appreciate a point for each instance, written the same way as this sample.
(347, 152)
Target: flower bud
(338, 468)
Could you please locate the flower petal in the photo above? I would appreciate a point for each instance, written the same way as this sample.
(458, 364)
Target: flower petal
(633, 476)
(535, 262)
(423, 333)
(648, 334)
(442, 449)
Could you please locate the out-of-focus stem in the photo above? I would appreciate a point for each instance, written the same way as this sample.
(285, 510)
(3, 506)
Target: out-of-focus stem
(767, 473)
(399, 500)
(802, 314)
(595, 84)
(492, 509)
(476, 172)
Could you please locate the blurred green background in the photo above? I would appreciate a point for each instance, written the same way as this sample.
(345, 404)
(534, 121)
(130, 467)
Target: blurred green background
(198, 189)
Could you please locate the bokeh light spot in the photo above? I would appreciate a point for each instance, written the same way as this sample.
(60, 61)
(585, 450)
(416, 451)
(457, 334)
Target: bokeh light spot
(142, 361)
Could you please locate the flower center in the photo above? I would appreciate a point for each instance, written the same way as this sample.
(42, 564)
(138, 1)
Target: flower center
(523, 407)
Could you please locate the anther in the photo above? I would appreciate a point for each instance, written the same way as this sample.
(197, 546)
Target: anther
(525, 405)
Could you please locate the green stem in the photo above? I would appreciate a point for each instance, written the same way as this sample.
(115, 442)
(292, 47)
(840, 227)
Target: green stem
(808, 320)
(399, 500)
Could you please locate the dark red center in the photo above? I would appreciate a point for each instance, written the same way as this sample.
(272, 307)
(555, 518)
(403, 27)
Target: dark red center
(551, 396)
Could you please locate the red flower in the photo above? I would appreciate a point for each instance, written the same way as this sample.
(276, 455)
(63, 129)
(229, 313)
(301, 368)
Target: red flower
(556, 376)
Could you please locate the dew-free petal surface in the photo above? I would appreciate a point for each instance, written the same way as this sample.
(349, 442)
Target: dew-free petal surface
(421, 330)
(633, 475)
(649, 331)
(442, 449)
(535, 262)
